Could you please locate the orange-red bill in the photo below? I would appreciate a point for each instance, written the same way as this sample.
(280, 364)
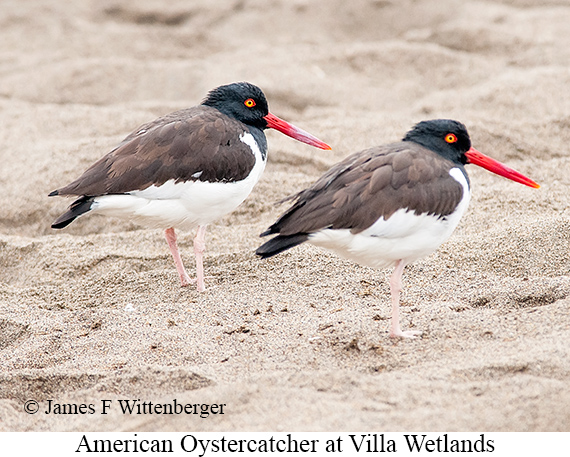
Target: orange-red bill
(477, 158)
(294, 132)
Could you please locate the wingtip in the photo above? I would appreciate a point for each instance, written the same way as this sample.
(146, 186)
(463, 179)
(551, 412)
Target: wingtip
(53, 193)
(62, 222)
(79, 207)
(264, 251)
(279, 244)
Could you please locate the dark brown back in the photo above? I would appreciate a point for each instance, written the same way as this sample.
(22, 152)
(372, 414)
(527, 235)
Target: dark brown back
(371, 184)
(198, 143)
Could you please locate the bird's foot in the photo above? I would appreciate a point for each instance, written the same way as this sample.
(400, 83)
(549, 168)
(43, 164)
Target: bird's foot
(398, 333)
(185, 280)
(200, 283)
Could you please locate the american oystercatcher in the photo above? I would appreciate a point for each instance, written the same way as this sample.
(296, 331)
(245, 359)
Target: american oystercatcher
(184, 170)
(389, 205)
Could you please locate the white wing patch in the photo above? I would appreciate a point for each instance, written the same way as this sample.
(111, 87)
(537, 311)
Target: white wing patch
(404, 235)
(183, 205)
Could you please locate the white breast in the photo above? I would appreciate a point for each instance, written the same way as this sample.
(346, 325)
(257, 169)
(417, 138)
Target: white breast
(404, 235)
(183, 205)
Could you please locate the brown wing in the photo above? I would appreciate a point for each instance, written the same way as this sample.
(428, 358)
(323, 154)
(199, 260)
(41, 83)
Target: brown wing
(371, 184)
(198, 143)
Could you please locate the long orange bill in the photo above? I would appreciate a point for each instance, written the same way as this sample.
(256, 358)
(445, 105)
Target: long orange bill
(294, 132)
(477, 158)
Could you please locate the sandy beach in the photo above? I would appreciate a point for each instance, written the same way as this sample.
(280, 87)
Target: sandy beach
(298, 342)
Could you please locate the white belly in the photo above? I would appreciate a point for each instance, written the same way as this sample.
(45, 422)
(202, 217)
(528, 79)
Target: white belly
(182, 205)
(404, 235)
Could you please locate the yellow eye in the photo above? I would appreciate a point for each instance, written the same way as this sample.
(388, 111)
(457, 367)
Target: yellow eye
(451, 138)
(250, 103)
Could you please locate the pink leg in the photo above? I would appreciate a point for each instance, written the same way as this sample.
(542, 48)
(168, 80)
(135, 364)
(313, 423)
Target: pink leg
(395, 288)
(199, 248)
(171, 240)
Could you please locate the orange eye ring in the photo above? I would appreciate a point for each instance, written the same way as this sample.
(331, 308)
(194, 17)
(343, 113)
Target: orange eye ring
(250, 103)
(451, 138)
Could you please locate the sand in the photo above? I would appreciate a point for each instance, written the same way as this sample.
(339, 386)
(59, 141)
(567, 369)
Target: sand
(298, 342)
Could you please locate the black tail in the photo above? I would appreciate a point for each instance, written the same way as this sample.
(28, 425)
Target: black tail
(280, 243)
(77, 208)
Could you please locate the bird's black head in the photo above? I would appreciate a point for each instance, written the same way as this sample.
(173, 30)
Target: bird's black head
(242, 101)
(446, 137)
(246, 103)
